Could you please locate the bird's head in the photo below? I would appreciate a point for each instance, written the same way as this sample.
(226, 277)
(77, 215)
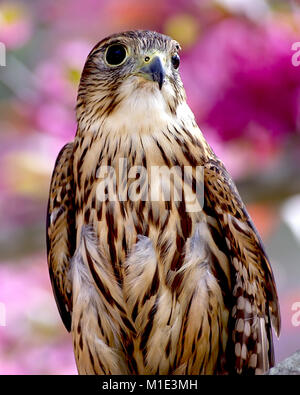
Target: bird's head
(131, 76)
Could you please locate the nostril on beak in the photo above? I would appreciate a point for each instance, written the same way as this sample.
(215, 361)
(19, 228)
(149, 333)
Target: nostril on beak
(154, 70)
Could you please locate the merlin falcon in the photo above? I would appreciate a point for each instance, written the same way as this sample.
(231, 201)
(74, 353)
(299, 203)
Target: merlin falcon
(146, 283)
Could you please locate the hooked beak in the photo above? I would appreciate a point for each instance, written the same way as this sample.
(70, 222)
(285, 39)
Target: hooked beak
(153, 71)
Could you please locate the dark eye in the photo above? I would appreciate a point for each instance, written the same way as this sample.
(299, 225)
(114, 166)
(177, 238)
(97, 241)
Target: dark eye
(115, 54)
(175, 61)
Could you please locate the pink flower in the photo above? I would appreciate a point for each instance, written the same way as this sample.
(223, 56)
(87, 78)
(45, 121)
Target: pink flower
(58, 76)
(15, 24)
(240, 78)
(56, 119)
(33, 340)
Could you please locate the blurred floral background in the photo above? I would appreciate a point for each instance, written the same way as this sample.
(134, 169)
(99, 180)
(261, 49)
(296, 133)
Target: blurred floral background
(244, 88)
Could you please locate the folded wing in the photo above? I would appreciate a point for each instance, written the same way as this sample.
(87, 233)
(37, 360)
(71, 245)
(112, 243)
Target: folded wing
(61, 239)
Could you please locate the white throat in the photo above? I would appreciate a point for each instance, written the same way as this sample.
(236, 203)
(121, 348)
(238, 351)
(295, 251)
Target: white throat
(144, 109)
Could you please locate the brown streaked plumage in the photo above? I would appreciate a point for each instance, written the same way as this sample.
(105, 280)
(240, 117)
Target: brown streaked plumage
(145, 286)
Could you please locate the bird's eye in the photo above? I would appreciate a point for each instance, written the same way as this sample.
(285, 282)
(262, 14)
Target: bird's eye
(115, 54)
(175, 61)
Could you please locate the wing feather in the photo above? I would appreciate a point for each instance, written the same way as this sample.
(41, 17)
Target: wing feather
(254, 301)
(61, 232)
